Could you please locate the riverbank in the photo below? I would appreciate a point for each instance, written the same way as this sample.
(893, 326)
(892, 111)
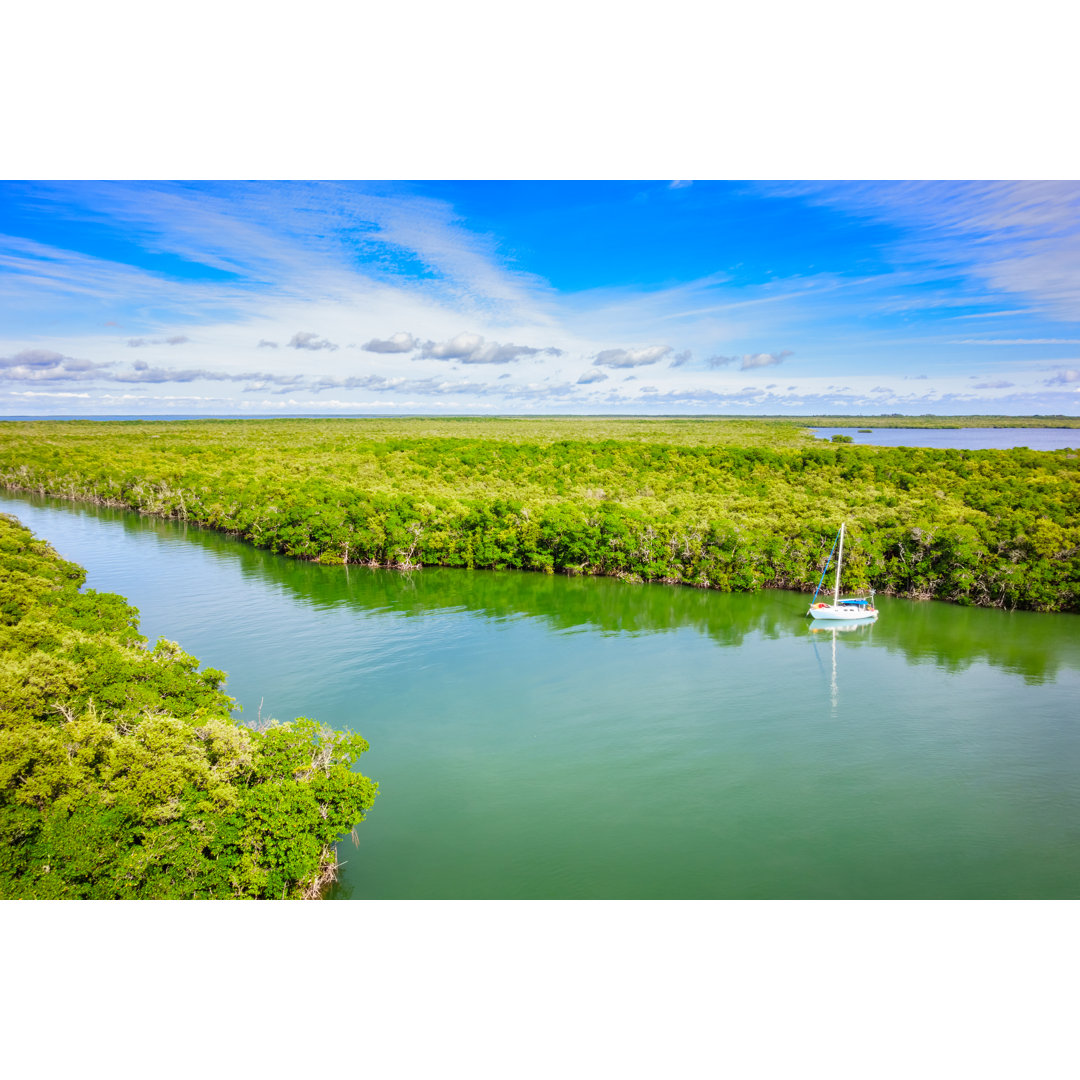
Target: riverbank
(730, 505)
(122, 773)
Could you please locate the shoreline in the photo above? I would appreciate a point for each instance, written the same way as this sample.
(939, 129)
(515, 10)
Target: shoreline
(579, 570)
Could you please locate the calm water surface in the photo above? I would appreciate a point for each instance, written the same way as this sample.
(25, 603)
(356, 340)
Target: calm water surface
(961, 438)
(541, 736)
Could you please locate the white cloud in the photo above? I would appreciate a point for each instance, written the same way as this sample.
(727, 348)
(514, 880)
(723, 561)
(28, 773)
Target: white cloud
(176, 339)
(45, 365)
(1064, 377)
(749, 360)
(592, 377)
(473, 349)
(625, 358)
(395, 343)
(760, 360)
(305, 339)
(33, 358)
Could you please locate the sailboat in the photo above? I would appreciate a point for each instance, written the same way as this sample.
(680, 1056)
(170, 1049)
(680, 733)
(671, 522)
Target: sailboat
(855, 608)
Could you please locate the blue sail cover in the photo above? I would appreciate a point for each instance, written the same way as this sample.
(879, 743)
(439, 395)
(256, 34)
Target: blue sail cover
(855, 603)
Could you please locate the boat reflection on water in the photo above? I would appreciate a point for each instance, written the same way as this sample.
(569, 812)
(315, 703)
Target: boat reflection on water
(833, 630)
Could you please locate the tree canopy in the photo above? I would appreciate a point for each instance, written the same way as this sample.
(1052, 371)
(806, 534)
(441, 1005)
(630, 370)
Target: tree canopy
(721, 504)
(122, 772)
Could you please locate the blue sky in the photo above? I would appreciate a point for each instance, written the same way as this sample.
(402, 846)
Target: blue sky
(539, 297)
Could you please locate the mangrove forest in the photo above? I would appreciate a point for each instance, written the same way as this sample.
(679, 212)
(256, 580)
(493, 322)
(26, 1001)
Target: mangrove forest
(122, 772)
(714, 503)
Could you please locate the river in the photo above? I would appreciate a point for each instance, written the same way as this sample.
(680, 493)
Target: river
(547, 737)
(973, 438)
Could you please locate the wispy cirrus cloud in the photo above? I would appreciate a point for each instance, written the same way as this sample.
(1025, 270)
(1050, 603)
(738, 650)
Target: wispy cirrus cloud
(176, 339)
(1020, 238)
(1017, 341)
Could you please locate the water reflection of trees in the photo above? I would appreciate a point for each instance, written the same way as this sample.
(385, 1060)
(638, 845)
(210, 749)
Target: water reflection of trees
(1032, 645)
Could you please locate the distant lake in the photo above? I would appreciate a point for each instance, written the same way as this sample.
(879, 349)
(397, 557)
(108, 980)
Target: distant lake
(539, 736)
(961, 438)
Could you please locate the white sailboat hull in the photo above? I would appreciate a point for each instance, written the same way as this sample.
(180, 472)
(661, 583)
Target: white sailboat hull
(842, 612)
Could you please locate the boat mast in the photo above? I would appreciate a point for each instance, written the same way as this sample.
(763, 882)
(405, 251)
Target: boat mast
(839, 559)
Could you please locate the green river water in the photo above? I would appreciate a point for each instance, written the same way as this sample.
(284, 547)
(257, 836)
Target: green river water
(544, 737)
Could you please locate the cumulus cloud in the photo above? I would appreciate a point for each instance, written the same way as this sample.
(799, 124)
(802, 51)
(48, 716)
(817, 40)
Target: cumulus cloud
(760, 360)
(749, 361)
(439, 388)
(44, 365)
(143, 373)
(681, 358)
(473, 349)
(178, 339)
(1000, 384)
(356, 382)
(41, 365)
(592, 376)
(305, 339)
(264, 344)
(395, 343)
(1064, 377)
(626, 358)
(137, 342)
(531, 392)
(675, 185)
(33, 358)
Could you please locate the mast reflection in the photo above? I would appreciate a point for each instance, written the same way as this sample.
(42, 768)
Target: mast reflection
(832, 630)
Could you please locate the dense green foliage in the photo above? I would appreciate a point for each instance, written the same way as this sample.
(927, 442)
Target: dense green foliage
(728, 504)
(122, 773)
